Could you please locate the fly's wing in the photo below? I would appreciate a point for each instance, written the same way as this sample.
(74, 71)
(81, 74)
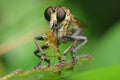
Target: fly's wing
(79, 22)
(79, 25)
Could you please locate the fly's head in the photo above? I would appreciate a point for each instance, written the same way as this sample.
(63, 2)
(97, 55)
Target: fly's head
(57, 17)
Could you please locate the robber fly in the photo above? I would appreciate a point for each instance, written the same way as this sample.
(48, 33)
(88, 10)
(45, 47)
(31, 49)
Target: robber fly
(65, 28)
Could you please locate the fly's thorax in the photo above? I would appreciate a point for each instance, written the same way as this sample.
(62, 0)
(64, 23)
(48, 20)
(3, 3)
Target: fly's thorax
(63, 26)
(63, 30)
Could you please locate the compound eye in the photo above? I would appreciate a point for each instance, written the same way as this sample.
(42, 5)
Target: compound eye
(60, 14)
(48, 12)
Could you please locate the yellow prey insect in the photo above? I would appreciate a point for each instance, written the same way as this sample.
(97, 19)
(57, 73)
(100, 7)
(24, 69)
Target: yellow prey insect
(65, 28)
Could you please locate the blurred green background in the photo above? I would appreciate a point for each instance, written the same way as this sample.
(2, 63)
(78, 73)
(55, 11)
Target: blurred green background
(22, 20)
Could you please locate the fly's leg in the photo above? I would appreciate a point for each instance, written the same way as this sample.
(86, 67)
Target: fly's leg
(57, 51)
(69, 49)
(60, 65)
(77, 37)
(36, 53)
(40, 49)
(74, 50)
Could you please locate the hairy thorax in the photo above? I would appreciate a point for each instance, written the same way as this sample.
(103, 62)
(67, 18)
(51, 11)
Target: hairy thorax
(66, 30)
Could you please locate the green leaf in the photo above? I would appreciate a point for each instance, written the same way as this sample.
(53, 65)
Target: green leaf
(107, 73)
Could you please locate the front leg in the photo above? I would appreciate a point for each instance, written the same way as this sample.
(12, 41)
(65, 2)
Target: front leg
(40, 49)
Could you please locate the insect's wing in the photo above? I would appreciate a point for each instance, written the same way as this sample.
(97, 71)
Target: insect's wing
(80, 23)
